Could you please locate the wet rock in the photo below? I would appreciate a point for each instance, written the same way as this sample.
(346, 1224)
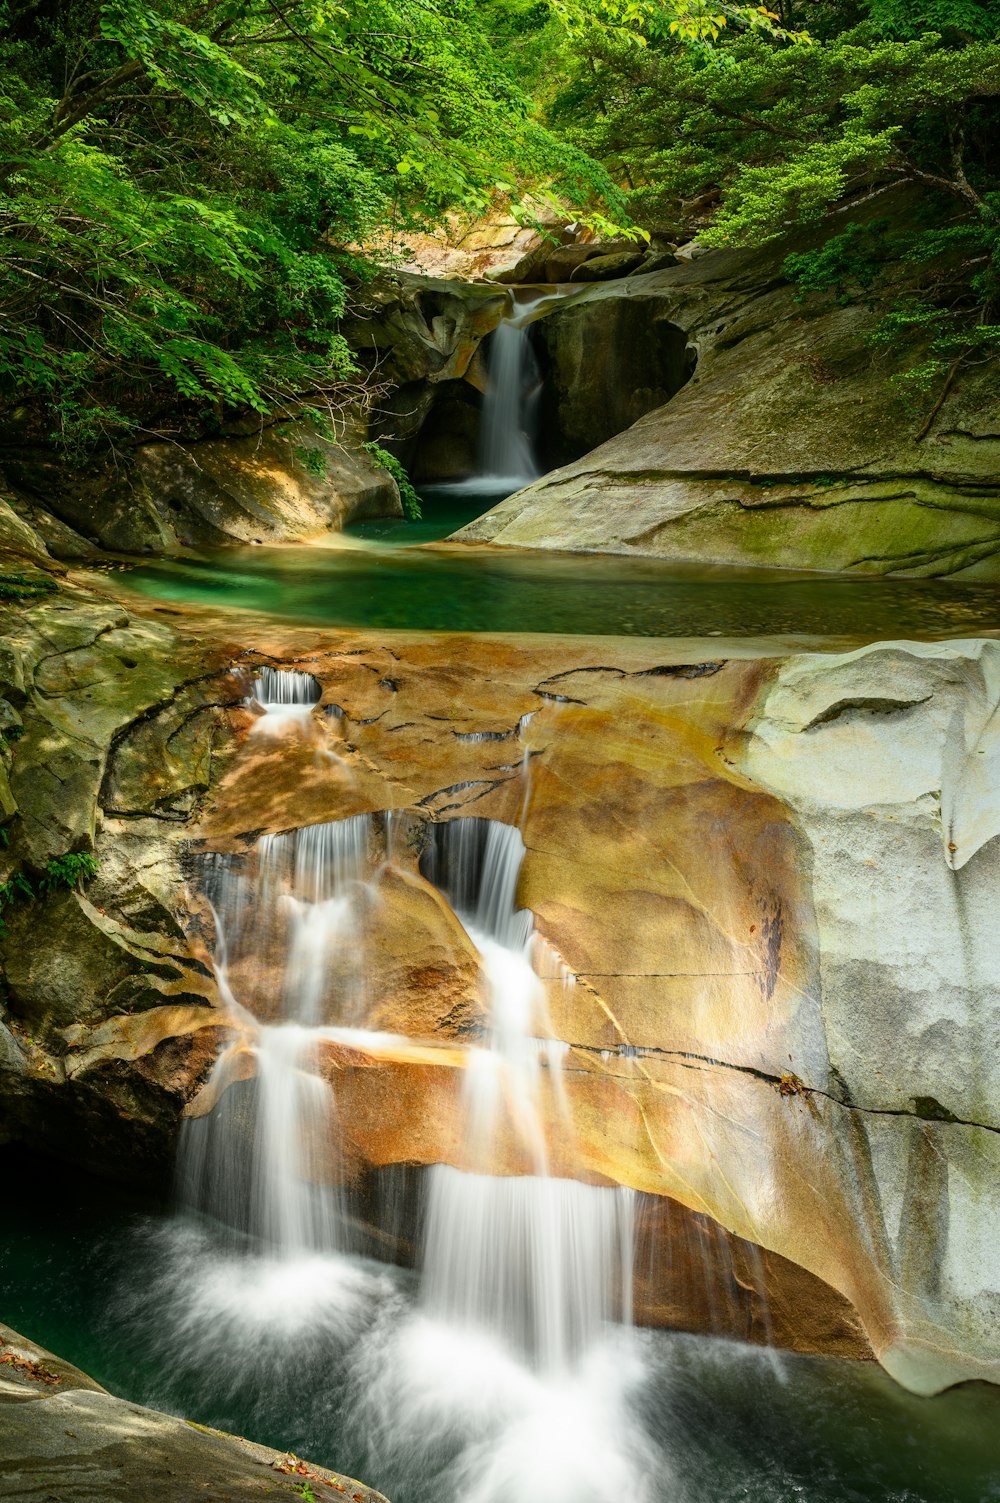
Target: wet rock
(710, 1028)
(790, 446)
(286, 481)
(63, 1436)
(726, 853)
(410, 328)
(607, 268)
(101, 987)
(449, 438)
(606, 365)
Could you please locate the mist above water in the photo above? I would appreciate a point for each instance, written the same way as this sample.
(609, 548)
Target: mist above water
(512, 1355)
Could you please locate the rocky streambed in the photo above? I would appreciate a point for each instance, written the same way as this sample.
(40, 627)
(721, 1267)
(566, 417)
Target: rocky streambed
(726, 849)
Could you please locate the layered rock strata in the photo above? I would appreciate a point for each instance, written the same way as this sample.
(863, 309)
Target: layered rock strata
(772, 879)
(791, 445)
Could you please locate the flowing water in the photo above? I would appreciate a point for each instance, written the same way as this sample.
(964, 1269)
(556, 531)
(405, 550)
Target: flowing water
(503, 1363)
(510, 404)
(516, 1351)
(293, 1353)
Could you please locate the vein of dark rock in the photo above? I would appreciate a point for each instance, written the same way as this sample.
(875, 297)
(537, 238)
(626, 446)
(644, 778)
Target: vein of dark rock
(690, 1060)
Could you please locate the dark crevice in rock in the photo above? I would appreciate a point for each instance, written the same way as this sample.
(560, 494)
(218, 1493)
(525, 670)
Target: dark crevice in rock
(472, 737)
(873, 705)
(926, 1108)
(560, 699)
(119, 735)
(485, 785)
(64, 652)
(682, 670)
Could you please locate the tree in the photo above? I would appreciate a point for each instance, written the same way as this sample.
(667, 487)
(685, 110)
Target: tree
(766, 130)
(181, 183)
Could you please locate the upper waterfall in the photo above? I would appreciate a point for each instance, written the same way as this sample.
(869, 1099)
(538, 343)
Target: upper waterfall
(507, 434)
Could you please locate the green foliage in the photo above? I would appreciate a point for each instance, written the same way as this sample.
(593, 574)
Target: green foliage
(68, 871)
(16, 888)
(754, 134)
(181, 187)
(845, 264)
(407, 494)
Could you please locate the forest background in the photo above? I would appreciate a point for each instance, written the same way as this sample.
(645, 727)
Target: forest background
(181, 185)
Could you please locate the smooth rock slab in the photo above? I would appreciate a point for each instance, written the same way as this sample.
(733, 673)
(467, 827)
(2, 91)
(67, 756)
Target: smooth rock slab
(64, 1439)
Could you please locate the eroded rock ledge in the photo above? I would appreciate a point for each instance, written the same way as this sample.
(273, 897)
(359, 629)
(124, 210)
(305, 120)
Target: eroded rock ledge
(64, 1436)
(791, 445)
(774, 879)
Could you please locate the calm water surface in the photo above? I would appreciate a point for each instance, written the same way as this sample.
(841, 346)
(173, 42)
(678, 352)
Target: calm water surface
(384, 586)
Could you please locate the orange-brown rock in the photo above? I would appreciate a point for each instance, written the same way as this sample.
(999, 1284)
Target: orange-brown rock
(723, 850)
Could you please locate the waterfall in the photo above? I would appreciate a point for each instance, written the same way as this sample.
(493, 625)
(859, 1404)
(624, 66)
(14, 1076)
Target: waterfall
(506, 447)
(265, 1162)
(515, 1364)
(285, 686)
(286, 697)
(542, 1262)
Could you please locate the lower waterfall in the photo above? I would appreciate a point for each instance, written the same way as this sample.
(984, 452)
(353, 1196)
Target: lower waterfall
(542, 1262)
(510, 1363)
(513, 1373)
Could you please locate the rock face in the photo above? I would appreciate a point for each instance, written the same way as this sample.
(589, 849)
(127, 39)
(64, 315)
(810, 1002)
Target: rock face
(606, 364)
(791, 446)
(727, 852)
(419, 337)
(274, 483)
(65, 1437)
(287, 481)
(495, 245)
(283, 479)
(117, 722)
(607, 267)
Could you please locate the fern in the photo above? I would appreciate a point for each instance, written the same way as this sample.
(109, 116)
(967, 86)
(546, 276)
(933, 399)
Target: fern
(407, 494)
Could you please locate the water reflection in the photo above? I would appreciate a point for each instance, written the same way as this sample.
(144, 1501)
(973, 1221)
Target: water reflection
(475, 590)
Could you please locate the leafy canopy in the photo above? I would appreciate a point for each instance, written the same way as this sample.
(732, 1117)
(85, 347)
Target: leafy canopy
(179, 182)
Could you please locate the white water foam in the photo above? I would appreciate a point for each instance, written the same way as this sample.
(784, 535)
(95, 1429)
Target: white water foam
(287, 697)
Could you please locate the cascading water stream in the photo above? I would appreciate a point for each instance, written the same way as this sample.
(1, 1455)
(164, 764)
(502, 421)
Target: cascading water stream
(508, 1356)
(514, 1374)
(506, 446)
(542, 1262)
(264, 1165)
(286, 697)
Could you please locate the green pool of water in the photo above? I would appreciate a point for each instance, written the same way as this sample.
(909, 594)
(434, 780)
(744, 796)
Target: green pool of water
(150, 1307)
(375, 585)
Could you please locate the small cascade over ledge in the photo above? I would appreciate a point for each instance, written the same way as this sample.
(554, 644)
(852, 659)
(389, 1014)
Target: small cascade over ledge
(266, 1162)
(287, 698)
(510, 406)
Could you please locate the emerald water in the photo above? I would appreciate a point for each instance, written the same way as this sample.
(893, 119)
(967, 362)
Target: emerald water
(383, 585)
(119, 1288)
